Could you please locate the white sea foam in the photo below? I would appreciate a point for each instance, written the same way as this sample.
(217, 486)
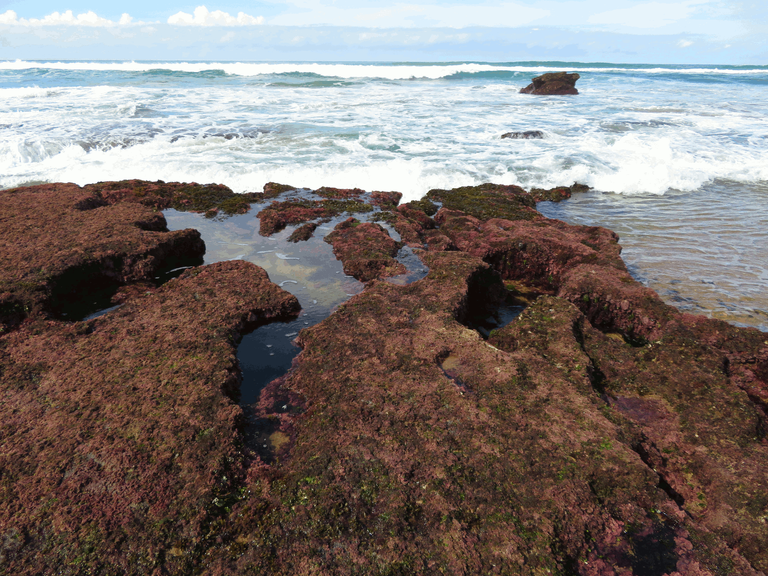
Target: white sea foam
(631, 138)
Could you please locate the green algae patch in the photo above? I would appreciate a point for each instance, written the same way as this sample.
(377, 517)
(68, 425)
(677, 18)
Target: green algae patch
(488, 201)
(424, 205)
(192, 197)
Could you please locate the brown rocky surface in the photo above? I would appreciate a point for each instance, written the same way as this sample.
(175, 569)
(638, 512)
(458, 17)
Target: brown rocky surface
(120, 435)
(278, 215)
(303, 233)
(552, 84)
(386, 199)
(601, 432)
(192, 197)
(557, 194)
(60, 241)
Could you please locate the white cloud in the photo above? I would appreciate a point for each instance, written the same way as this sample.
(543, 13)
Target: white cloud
(8, 18)
(684, 43)
(427, 14)
(648, 15)
(203, 17)
(67, 18)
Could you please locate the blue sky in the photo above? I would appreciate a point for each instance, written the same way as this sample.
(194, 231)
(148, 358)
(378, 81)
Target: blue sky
(640, 31)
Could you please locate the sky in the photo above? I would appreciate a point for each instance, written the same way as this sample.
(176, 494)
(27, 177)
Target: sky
(620, 31)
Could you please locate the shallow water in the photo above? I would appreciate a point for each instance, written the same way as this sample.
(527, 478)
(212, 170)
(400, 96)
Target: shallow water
(308, 270)
(704, 252)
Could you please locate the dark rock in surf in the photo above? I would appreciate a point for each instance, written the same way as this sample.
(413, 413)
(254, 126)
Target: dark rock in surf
(558, 193)
(527, 135)
(552, 84)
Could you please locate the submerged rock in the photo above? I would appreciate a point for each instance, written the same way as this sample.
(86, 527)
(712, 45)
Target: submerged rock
(600, 432)
(552, 84)
(527, 135)
(303, 233)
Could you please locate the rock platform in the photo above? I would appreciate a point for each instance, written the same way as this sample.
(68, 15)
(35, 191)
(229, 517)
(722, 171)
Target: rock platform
(600, 432)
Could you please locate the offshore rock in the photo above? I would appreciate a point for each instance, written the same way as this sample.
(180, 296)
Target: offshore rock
(553, 84)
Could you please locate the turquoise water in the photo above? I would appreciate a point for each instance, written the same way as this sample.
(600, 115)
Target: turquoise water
(640, 135)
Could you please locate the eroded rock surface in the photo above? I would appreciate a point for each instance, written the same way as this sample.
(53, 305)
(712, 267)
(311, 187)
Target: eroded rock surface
(600, 432)
(59, 242)
(119, 435)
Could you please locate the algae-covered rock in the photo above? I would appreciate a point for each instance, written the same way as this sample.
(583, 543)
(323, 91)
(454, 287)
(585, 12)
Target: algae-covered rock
(488, 201)
(60, 242)
(303, 233)
(558, 193)
(192, 197)
(278, 215)
(120, 434)
(366, 250)
(599, 432)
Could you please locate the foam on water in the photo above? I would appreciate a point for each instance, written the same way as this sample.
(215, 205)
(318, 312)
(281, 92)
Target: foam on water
(621, 135)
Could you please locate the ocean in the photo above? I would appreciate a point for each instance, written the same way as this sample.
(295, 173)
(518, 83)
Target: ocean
(677, 156)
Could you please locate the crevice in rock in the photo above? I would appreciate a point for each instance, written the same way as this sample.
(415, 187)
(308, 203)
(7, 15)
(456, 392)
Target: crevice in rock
(644, 448)
(415, 269)
(87, 292)
(654, 551)
(489, 306)
(486, 321)
(266, 353)
(449, 365)
(268, 432)
(761, 428)
(596, 376)
(90, 203)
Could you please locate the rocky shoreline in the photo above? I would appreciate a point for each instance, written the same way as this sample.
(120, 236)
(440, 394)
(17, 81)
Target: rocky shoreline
(600, 432)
